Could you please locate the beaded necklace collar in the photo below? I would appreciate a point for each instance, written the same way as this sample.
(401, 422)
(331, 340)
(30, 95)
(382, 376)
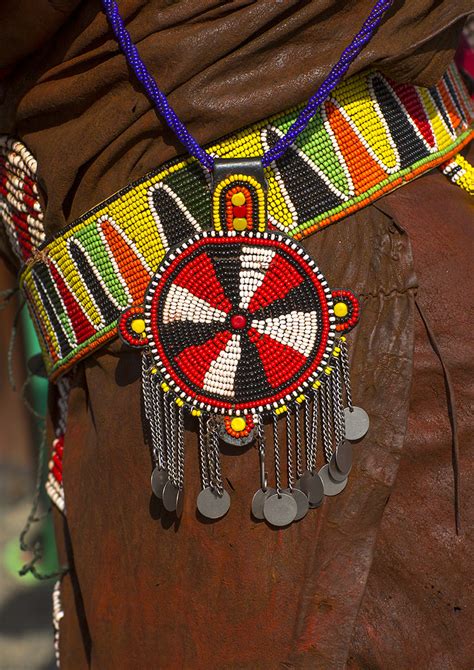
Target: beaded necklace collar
(238, 327)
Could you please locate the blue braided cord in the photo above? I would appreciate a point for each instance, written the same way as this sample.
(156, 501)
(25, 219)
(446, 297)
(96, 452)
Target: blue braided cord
(160, 100)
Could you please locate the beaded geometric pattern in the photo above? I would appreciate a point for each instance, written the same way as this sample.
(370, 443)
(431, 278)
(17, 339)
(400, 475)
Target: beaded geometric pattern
(239, 322)
(54, 481)
(460, 172)
(20, 209)
(369, 137)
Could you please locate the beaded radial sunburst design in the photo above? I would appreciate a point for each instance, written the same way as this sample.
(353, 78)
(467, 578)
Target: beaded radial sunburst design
(239, 322)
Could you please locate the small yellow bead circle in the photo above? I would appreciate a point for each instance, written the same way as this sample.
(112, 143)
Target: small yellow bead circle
(238, 424)
(138, 326)
(341, 309)
(238, 199)
(239, 223)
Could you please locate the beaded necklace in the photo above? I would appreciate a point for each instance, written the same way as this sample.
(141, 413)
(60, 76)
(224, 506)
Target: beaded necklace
(239, 328)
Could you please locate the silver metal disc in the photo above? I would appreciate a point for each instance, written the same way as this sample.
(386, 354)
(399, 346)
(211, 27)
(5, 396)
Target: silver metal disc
(303, 482)
(356, 422)
(280, 510)
(302, 502)
(170, 494)
(158, 480)
(314, 490)
(334, 471)
(331, 487)
(179, 503)
(258, 502)
(211, 505)
(344, 457)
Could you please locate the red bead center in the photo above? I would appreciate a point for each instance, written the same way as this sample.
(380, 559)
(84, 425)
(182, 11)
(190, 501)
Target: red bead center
(238, 321)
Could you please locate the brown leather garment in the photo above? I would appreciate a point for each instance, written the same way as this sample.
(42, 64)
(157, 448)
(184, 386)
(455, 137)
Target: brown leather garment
(373, 579)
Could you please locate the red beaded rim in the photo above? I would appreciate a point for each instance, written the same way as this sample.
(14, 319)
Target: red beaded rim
(197, 285)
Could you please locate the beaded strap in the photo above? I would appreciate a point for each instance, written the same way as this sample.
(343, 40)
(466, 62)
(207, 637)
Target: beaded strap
(460, 172)
(371, 136)
(20, 209)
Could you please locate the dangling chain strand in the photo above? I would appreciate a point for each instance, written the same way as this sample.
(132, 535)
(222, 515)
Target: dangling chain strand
(147, 393)
(156, 421)
(299, 461)
(336, 393)
(336, 74)
(308, 431)
(218, 484)
(314, 431)
(180, 448)
(276, 454)
(173, 439)
(326, 421)
(203, 453)
(289, 450)
(345, 372)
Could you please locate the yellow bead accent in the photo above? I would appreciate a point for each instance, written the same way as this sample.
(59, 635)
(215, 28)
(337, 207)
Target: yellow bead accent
(238, 199)
(341, 309)
(179, 402)
(239, 223)
(138, 326)
(196, 412)
(281, 410)
(317, 384)
(238, 424)
(300, 398)
(165, 387)
(153, 371)
(327, 370)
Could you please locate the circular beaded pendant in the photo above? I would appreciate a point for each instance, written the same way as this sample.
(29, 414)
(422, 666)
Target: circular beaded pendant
(239, 323)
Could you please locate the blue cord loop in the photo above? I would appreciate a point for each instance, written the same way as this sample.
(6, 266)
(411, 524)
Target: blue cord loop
(164, 108)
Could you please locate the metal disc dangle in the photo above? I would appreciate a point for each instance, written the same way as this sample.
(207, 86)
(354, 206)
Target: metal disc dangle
(356, 423)
(211, 505)
(302, 502)
(311, 484)
(159, 478)
(344, 457)
(331, 486)
(280, 509)
(302, 482)
(258, 502)
(170, 496)
(334, 471)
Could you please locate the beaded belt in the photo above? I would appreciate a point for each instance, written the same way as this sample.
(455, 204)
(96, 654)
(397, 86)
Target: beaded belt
(371, 136)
